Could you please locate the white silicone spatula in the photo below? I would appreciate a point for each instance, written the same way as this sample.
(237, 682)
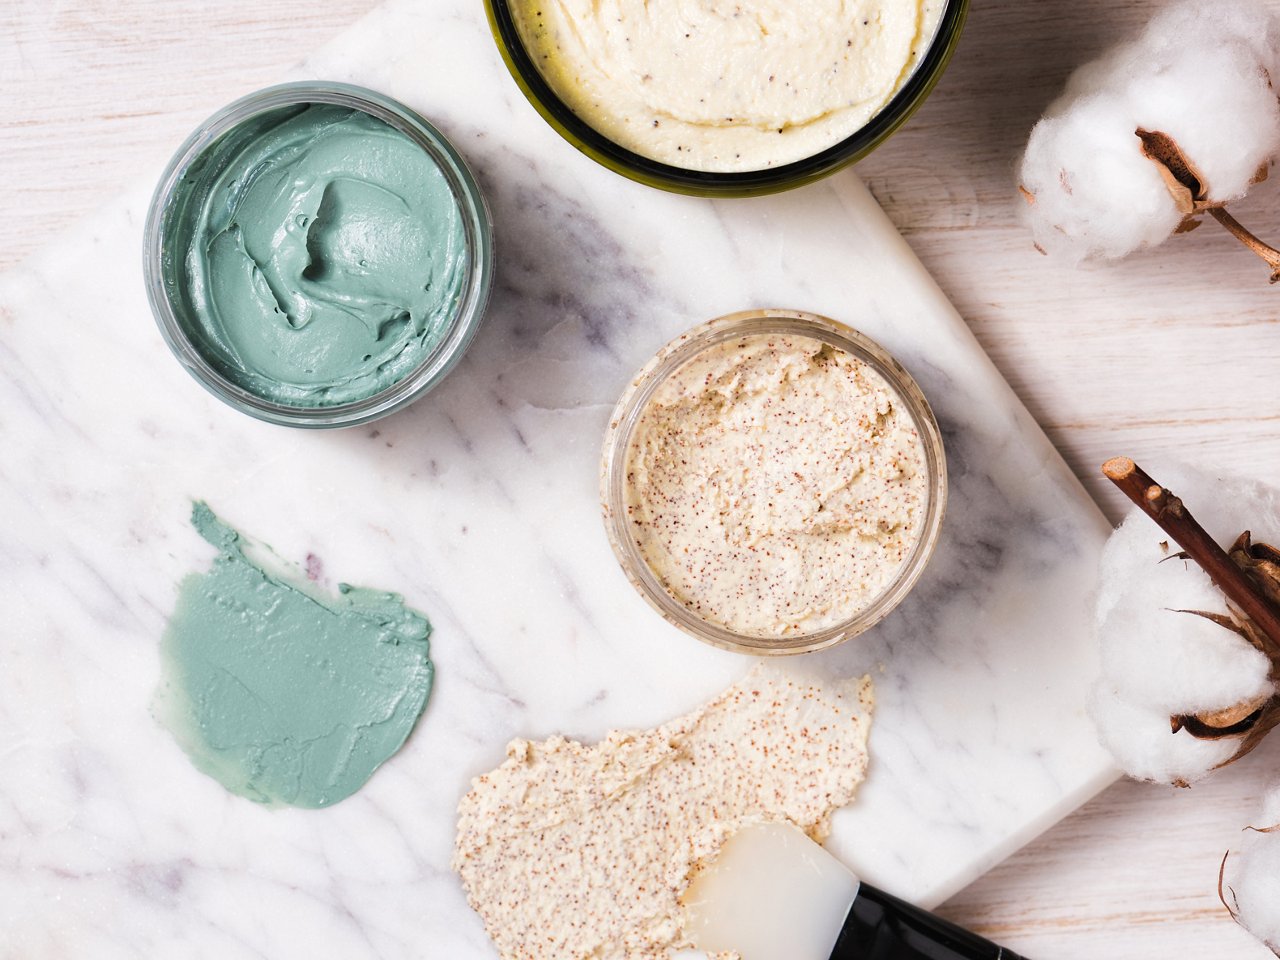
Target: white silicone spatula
(774, 894)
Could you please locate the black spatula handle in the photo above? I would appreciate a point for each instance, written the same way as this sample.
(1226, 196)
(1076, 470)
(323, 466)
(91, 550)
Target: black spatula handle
(881, 927)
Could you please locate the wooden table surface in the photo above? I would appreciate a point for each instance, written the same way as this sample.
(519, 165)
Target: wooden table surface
(1170, 354)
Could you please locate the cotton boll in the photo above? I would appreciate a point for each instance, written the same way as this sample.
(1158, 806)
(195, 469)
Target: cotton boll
(1218, 105)
(1251, 880)
(1144, 745)
(1157, 662)
(1093, 192)
(1200, 73)
(1177, 663)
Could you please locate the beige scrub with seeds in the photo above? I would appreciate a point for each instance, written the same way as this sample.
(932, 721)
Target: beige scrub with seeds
(776, 485)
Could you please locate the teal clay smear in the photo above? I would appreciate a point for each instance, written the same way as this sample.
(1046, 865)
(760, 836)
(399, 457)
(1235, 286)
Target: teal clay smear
(282, 695)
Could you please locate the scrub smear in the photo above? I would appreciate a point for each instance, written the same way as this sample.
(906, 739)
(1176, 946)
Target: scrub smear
(281, 694)
(571, 851)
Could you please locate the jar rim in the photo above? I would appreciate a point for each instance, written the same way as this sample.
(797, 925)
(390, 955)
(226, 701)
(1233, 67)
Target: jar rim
(672, 357)
(748, 183)
(477, 231)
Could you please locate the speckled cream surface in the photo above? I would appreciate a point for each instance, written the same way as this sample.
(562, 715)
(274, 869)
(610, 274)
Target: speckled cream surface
(569, 851)
(721, 85)
(775, 485)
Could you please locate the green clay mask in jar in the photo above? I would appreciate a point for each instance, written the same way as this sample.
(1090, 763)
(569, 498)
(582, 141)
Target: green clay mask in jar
(319, 255)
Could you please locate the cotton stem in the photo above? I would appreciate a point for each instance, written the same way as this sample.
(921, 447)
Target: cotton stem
(1233, 226)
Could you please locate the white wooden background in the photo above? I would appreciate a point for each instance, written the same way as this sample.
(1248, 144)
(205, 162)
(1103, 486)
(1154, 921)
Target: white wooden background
(1170, 354)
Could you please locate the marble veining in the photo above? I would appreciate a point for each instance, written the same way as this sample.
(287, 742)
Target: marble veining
(479, 504)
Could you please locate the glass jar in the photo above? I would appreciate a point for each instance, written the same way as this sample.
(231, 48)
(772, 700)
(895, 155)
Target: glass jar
(216, 143)
(675, 356)
(676, 179)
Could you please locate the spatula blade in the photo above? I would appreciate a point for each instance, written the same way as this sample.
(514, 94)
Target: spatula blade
(770, 894)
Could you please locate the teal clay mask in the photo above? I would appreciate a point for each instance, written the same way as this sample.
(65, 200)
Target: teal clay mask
(279, 693)
(320, 253)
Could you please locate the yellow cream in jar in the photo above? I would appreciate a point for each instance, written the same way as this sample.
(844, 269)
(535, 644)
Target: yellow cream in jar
(724, 86)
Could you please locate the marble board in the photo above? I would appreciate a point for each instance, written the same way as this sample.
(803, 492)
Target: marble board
(479, 504)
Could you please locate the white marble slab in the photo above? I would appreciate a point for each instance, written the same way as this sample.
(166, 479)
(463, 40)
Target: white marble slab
(479, 504)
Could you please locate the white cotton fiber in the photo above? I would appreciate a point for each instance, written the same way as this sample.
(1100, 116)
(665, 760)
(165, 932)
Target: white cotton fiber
(1145, 746)
(1093, 194)
(1157, 662)
(1251, 881)
(1256, 884)
(1200, 73)
(1270, 815)
(1205, 24)
(1136, 549)
(1219, 107)
(1227, 506)
(1177, 663)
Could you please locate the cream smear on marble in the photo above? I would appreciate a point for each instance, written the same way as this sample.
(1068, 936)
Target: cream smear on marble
(569, 851)
(721, 85)
(776, 485)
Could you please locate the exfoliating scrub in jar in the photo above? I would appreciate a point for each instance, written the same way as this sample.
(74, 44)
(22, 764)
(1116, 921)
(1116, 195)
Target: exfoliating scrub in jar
(318, 255)
(727, 90)
(773, 482)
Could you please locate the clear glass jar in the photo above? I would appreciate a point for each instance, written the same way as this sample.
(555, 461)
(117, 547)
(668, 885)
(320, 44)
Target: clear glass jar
(677, 354)
(162, 264)
(588, 140)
